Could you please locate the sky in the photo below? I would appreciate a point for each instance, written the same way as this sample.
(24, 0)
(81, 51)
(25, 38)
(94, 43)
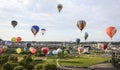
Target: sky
(98, 14)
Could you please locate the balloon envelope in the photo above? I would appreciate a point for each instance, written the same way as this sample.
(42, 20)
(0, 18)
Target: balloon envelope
(43, 31)
(13, 39)
(85, 35)
(18, 50)
(33, 51)
(65, 52)
(80, 50)
(35, 29)
(59, 50)
(14, 23)
(111, 31)
(19, 39)
(77, 41)
(1, 50)
(104, 46)
(45, 50)
(54, 52)
(28, 45)
(81, 24)
(8, 43)
(59, 7)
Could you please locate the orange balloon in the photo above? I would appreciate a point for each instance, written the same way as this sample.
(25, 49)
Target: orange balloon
(111, 31)
(81, 24)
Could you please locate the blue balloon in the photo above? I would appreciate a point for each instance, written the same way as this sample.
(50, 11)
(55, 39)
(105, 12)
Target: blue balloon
(28, 45)
(77, 41)
(35, 29)
(8, 43)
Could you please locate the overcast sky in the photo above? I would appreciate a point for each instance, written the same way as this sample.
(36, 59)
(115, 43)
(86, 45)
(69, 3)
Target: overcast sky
(98, 14)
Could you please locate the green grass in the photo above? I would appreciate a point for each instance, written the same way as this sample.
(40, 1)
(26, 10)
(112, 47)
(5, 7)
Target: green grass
(83, 61)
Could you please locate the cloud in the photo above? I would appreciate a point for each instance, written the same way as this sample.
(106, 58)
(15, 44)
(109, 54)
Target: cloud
(60, 26)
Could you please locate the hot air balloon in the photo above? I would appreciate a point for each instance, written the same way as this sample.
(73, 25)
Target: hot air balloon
(111, 31)
(1, 50)
(14, 23)
(59, 50)
(43, 31)
(13, 39)
(19, 39)
(33, 51)
(81, 24)
(104, 46)
(80, 50)
(28, 45)
(59, 7)
(85, 35)
(8, 43)
(77, 41)
(45, 50)
(54, 52)
(18, 50)
(35, 29)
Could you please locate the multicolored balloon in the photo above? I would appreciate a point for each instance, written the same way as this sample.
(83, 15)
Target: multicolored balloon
(45, 50)
(14, 23)
(35, 29)
(111, 31)
(59, 7)
(81, 24)
(80, 50)
(43, 31)
(18, 50)
(19, 39)
(13, 39)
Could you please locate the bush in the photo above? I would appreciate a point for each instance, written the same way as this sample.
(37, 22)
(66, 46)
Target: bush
(9, 66)
(3, 59)
(13, 58)
(50, 67)
(30, 67)
(39, 67)
(26, 60)
(18, 68)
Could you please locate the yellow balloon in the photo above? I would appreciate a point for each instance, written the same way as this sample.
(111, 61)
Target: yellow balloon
(13, 39)
(18, 50)
(30, 49)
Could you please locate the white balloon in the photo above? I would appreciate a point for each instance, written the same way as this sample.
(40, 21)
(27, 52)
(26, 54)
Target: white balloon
(59, 50)
(54, 52)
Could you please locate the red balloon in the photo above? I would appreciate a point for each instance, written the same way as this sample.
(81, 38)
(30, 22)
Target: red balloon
(19, 39)
(45, 50)
(33, 51)
(1, 50)
(111, 31)
(104, 46)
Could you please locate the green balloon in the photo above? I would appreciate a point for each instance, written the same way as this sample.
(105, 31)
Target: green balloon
(13, 39)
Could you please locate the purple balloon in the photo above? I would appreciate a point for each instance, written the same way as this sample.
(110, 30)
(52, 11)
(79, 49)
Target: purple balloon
(8, 43)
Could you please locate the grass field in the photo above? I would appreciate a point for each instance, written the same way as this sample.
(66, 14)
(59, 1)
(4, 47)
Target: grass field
(83, 61)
